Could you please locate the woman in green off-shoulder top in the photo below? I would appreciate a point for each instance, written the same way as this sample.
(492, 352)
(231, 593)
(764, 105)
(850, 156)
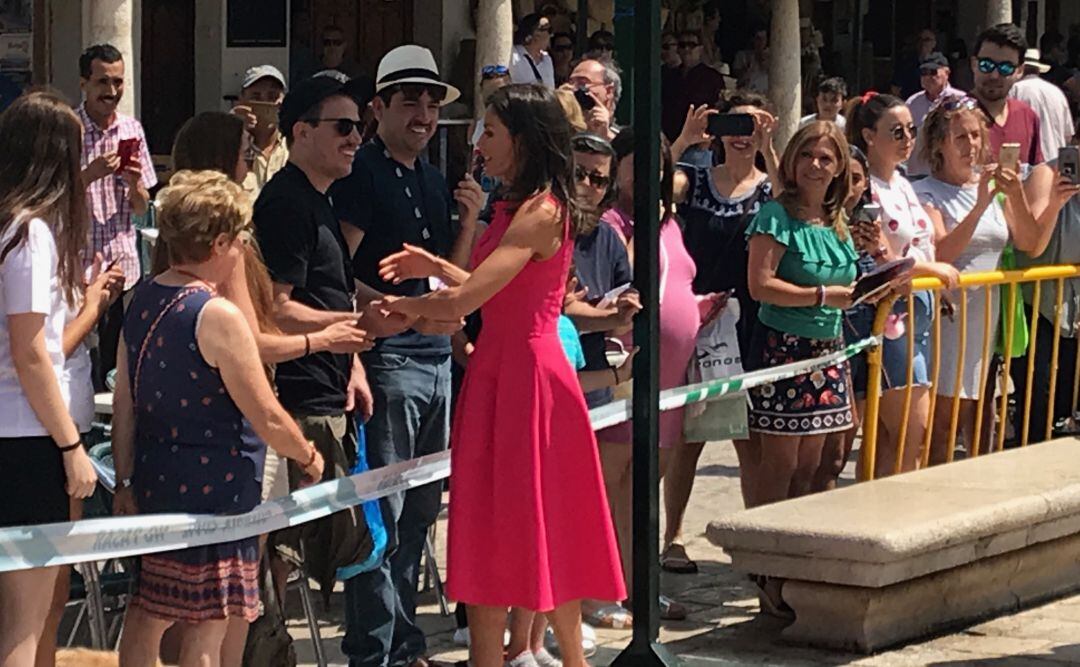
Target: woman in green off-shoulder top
(801, 269)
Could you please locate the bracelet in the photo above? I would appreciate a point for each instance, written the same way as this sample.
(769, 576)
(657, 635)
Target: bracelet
(307, 345)
(820, 296)
(615, 372)
(69, 448)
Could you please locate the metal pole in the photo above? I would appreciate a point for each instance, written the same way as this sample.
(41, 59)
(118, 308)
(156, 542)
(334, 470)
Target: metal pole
(582, 37)
(644, 649)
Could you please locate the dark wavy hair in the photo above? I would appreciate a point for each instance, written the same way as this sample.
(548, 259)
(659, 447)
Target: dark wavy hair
(40, 176)
(525, 29)
(209, 140)
(740, 98)
(541, 133)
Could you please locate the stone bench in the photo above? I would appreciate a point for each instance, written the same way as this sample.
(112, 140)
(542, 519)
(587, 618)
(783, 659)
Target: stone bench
(881, 562)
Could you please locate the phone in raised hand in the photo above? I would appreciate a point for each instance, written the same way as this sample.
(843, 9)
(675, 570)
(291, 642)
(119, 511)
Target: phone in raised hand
(1009, 156)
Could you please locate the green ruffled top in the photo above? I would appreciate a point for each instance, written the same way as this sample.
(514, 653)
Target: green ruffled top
(815, 256)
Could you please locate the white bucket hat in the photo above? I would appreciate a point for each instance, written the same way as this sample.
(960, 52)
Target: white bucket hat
(412, 64)
(1032, 58)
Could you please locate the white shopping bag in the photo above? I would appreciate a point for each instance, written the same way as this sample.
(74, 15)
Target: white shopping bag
(717, 356)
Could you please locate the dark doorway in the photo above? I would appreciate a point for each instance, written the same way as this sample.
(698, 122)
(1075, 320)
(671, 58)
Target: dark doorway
(167, 83)
(371, 27)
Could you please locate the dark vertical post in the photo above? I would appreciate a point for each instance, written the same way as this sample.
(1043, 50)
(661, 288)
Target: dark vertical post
(582, 38)
(644, 650)
(625, 42)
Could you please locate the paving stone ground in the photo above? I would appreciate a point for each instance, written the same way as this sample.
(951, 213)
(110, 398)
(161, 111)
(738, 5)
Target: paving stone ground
(724, 627)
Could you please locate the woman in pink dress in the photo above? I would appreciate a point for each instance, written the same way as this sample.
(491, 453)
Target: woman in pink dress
(529, 521)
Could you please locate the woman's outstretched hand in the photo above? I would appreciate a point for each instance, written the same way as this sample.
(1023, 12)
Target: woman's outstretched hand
(410, 263)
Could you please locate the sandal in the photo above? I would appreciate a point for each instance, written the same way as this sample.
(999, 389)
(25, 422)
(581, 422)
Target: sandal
(674, 559)
(612, 617)
(670, 610)
(770, 596)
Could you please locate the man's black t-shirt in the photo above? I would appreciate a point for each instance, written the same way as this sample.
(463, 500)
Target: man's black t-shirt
(601, 264)
(394, 205)
(302, 244)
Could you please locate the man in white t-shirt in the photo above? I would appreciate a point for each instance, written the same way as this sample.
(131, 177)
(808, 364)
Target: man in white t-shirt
(529, 59)
(934, 74)
(1048, 101)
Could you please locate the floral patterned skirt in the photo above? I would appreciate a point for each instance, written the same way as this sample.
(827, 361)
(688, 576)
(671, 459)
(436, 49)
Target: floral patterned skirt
(809, 404)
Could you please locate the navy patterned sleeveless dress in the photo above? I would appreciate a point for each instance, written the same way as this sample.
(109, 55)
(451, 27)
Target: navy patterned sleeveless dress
(195, 453)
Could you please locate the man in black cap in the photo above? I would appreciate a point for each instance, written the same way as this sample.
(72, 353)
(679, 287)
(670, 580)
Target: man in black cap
(308, 260)
(934, 77)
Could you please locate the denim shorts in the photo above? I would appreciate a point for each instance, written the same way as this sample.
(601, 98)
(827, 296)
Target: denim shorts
(895, 351)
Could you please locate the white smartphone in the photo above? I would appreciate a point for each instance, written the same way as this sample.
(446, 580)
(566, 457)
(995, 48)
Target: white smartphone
(612, 295)
(1009, 157)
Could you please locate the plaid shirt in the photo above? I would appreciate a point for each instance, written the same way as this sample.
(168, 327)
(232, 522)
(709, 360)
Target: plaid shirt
(111, 231)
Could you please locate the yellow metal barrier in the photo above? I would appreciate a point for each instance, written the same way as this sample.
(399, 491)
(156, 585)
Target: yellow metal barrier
(987, 281)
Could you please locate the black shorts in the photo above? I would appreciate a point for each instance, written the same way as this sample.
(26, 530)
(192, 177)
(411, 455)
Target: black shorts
(32, 482)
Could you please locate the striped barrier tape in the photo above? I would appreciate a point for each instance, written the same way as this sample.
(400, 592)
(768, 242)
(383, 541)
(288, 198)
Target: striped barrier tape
(26, 547)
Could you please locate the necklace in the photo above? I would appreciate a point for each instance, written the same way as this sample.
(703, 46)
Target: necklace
(189, 274)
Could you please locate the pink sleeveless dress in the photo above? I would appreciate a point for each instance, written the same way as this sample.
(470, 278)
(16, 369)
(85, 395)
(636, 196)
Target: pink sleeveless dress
(529, 520)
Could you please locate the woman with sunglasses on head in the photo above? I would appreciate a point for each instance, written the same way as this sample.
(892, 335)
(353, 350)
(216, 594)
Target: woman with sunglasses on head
(529, 59)
(881, 126)
(527, 478)
(977, 209)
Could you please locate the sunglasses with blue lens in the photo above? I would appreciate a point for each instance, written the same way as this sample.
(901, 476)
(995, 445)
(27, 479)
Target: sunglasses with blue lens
(1005, 68)
(494, 71)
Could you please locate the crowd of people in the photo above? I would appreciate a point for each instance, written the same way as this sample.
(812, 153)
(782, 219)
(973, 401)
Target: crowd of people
(315, 279)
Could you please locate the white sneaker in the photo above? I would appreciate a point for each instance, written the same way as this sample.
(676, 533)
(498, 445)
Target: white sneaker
(545, 659)
(526, 659)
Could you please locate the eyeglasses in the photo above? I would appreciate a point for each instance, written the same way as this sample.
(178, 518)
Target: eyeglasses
(343, 126)
(689, 45)
(561, 47)
(603, 46)
(333, 42)
(667, 46)
(494, 71)
(544, 28)
(900, 131)
(1005, 68)
(592, 177)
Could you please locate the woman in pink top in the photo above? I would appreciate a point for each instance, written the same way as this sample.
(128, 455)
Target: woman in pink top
(681, 313)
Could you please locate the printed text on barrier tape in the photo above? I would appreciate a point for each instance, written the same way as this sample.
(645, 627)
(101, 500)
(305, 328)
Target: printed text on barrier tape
(25, 547)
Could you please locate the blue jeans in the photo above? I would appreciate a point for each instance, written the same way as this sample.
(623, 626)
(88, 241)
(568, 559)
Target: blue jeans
(411, 419)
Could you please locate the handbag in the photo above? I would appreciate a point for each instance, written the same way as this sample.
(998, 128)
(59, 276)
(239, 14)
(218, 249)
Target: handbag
(717, 356)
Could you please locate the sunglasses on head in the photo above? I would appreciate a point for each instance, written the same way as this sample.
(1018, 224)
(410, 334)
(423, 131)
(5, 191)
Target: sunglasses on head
(955, 103)
(494, 71)
(1005, 68)
(898, 132)
(582, 175)
(343, 126)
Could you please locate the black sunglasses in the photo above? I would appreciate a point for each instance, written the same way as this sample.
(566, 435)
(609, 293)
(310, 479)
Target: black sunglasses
(900, 131)
(599, 180)
(333, 42)
(603, 46)
(1005, 68)
(669, 45)
(562, 47)
(689, 45)
(343, 126)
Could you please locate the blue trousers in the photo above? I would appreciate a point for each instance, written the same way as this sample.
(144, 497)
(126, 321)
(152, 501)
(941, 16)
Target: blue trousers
(411, 419)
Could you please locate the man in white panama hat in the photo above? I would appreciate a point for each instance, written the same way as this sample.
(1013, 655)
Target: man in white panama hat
(1048, 101)
(392, 198)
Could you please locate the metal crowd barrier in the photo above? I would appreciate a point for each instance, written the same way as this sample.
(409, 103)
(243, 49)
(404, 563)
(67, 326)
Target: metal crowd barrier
(1009, 283)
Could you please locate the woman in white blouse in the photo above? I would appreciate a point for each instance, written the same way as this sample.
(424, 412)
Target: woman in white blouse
(43, 232)
(881, 126)
(529, 59)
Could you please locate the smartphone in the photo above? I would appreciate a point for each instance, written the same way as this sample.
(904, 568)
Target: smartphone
(612, 296)
(584, 99)
(266, 113)
(127, 150)
(1009, 157)
(731, 125)
(1069, 163)
(867, 213)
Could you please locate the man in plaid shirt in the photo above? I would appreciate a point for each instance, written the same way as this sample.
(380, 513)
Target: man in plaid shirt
(113, 194)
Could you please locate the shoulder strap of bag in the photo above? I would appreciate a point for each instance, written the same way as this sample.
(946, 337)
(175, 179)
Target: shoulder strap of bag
(535, 69)
(145, 346)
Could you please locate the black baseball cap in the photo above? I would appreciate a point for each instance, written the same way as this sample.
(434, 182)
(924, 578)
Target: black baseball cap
(305, 96)
(933, 62)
